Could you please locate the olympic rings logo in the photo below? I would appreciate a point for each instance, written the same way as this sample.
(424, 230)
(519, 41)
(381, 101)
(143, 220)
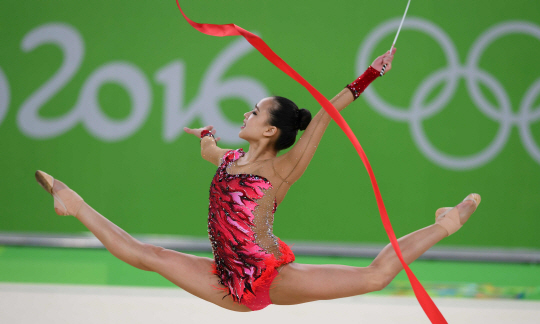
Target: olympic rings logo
(473, 75)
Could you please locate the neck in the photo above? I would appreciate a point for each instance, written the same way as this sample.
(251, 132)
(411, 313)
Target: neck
(259, 152)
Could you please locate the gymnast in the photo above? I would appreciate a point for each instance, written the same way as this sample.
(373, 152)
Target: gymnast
(244, 194)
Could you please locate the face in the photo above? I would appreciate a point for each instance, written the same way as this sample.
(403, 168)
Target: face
(256, 121)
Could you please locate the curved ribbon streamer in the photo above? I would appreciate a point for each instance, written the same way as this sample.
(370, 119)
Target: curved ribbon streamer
(425, 301)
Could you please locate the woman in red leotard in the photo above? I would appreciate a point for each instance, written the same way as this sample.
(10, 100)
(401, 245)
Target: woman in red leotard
(244, 194)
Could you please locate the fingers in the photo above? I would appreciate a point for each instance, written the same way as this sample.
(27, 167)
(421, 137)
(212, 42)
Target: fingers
(388, 54)
(211, 129)
(190, 130)
(197, 132)
(387, 59)
(214, 133)
(194, 131)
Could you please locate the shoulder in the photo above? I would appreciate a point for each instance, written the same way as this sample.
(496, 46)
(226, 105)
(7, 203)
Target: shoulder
(232, 155)
(282, 161)
(279, 164)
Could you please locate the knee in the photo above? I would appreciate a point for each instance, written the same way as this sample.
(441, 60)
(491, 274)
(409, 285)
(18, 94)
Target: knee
(151, 256)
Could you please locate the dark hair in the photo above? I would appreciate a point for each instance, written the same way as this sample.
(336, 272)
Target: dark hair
(286, 116)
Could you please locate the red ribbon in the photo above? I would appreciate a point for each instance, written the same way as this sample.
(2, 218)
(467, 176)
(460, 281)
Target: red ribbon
(425, 301)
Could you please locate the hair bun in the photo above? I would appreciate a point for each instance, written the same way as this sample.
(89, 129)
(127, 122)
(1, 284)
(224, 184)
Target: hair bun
(304, 118)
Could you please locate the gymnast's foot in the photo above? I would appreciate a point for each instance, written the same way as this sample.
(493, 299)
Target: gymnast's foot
(452, 218)
(66, 201)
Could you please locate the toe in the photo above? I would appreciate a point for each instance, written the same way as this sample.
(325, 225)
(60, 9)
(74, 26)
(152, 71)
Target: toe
(474, 197)
(44, 180)
(466, 208)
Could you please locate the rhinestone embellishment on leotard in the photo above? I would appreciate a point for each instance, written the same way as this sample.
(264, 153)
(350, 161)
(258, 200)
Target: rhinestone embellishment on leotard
(239, 258)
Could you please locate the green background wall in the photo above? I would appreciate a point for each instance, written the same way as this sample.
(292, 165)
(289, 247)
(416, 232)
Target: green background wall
(64, 62)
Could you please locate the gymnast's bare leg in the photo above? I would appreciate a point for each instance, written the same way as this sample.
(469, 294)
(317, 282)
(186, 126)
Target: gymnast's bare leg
(302, 283)
(299, 283)
(189, 272)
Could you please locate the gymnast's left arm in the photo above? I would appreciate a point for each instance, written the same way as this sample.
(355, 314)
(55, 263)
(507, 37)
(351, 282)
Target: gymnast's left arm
(209, 149)
(294, 163)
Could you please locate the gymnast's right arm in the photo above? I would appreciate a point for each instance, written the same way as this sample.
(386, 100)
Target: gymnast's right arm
(209, 149)
(293, 163)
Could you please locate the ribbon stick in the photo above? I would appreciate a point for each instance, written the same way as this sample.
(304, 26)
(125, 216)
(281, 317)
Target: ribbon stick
(425, 301)
(397, 34)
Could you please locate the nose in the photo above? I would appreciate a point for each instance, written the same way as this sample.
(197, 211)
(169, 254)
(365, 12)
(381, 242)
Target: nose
(247, 114)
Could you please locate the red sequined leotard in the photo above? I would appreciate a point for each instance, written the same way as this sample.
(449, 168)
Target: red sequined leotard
(240, 220)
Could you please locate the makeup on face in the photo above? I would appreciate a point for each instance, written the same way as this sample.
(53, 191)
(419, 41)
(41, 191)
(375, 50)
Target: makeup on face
(249, 113)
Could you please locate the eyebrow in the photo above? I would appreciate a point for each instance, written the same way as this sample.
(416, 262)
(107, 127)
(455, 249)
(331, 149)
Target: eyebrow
(257, 107)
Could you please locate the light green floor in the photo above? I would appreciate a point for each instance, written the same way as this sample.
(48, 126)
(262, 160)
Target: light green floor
(99, 267)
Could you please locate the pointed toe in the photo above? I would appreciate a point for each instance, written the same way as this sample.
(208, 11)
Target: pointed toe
(45, 181)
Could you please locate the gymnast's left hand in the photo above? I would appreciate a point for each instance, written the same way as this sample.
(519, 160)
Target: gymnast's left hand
(197, 131)
(386, 58)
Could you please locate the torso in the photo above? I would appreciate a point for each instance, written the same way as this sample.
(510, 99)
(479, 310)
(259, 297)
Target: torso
(250, 197)
(240, 221)
(265, 169)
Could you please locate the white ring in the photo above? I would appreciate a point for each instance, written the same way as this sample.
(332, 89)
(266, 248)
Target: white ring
(418, 110)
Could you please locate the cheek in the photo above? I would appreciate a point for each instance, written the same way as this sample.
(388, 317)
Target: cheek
(252, 120)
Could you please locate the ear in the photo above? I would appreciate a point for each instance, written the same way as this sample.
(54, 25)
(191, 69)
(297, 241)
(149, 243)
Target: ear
(270, 131)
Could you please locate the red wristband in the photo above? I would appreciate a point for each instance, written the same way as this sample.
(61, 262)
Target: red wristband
(206, 133)
(359, 85)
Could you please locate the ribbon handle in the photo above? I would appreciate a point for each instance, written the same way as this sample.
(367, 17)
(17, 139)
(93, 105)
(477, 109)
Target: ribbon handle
(425, 301)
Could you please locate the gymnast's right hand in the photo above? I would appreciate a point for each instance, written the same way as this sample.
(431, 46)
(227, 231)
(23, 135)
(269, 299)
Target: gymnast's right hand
(386, 58)
(197, 131)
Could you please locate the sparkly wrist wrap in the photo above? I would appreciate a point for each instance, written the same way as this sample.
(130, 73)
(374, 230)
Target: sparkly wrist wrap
(359, 85)
(207, 133)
